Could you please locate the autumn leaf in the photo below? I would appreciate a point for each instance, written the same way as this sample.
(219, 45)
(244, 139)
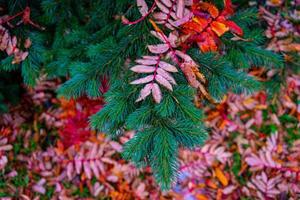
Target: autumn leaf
(161, 74)
(143, 80)
(219, 28)
(142, 69)
(143, 8)
(156, 93)
(221, 177)
(208, 24)
(146, 91)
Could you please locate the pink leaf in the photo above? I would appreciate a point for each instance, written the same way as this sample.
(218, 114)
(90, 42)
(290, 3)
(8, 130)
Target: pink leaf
(160, 16)
(253, 161)
(116, 146)
(112, 178)
(161, 80)
(39, 189)
(162, 7)
(264, 177)
(41, 181)
(142, 69)
(180, 8)
(143, 80)
(145, 92)
(146, 61)
(157, 49)
(166, 75)
(182, 20)
(141, 191)
(6, 147)
(78, 166)
(168, 67)
(94, 169)
(70, 171)
(156, 93)
(143, 8)
(185, 57)
(87, 170)
(151, 57)
(168, 3)
(173, 38)
(188, 2)
(158, 35)
(229, 189)
(169, 26)
(100, 166)
(97, 189)
(269, 159)
(93, 152)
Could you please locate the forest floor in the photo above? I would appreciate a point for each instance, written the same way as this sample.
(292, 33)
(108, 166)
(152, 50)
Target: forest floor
(47, 151)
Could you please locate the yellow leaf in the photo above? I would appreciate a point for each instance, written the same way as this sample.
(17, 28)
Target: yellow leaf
(219, 28)
(221, 177)
(156, 28)
(261, 107)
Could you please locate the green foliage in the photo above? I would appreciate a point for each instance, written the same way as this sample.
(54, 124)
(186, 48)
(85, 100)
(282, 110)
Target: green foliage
(86, 40)
(163, 158)
(222, 76)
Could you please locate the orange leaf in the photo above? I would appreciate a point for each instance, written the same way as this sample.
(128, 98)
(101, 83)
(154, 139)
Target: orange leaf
(219, 28)
(201, 197)
(208, 44)
(156, 28)
(201, 21)
(208, 7)
(60, 147)
(211, 184)
(221, 176)
(191, 27)
(219, 194)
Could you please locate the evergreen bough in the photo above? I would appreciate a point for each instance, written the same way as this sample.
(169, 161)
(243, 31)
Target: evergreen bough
(86, 41)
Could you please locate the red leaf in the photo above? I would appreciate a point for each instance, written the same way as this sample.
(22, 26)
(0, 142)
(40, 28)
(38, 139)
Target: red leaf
(228, 8)
(234, 27)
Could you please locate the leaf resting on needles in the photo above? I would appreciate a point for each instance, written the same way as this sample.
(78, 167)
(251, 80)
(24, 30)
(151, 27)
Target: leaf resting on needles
(161, 74)
(156, 93)
(146, 79)
(145, 92)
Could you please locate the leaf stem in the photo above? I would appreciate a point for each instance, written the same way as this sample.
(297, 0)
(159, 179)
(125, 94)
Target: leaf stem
(143, 17)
